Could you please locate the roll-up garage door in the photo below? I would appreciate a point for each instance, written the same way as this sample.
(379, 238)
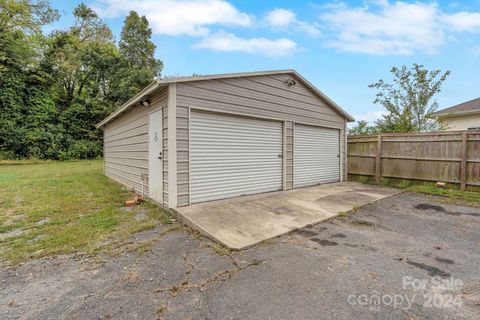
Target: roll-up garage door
(316, 155)
(232, 156)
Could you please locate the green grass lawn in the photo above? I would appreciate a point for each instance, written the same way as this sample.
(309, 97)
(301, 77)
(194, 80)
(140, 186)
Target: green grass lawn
(61, 207)
(450, 194)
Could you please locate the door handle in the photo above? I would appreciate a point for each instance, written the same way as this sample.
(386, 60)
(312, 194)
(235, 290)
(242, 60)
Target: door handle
(160, 156)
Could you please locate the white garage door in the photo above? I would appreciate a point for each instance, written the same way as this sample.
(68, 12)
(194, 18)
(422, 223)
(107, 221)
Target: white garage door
(316, 155)
(233, 156)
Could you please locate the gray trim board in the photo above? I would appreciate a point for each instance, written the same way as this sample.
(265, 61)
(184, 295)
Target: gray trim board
(172, 145)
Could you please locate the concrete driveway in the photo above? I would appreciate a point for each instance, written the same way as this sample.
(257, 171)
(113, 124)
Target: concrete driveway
(241, 222)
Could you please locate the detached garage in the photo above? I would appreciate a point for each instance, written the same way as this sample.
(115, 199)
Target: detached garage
(187, 140)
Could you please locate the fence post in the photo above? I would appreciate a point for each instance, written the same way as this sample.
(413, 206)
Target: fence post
(463, 164)
(378, 160)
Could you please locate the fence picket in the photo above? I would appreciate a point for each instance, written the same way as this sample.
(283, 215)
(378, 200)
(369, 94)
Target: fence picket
(441, 156)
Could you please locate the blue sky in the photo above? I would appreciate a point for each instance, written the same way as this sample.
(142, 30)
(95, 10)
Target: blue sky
(341, 47)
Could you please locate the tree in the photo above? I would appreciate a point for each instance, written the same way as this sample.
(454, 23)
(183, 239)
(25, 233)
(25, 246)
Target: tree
(82, 56)
(55, 88)
(409, 100)
(20, 51)
(139, 65)
(27, 16)
(83, 61)
(88, 26)
(362, 128)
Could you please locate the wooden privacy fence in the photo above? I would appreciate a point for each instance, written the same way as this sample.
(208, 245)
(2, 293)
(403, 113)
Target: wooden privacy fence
(448, 156)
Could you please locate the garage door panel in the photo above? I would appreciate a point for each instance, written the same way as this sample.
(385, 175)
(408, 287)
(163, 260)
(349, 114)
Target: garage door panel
(233, 156)
(316, 155)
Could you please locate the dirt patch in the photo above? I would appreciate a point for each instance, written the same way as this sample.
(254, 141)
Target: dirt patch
(14, 217)
(42, 222)
(11, 234)
(140, 215)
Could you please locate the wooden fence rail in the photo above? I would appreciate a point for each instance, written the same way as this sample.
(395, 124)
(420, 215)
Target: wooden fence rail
(449, 156)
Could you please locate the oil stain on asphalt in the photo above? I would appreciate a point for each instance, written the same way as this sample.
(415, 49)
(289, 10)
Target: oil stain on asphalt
(324, 242)
(425, 206)
(432, 271)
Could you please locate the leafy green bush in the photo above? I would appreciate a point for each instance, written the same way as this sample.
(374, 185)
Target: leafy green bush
(84, 149)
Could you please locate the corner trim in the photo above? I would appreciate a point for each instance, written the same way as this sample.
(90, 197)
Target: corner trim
(172, 145)
(284, 156)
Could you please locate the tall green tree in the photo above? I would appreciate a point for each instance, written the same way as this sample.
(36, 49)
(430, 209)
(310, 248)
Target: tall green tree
(362, 128)
(82, 55)
(409, 99)
(27, 16)
(21, 23)
(53, 89)
(20, 52)
(84, 60)
(139, 65)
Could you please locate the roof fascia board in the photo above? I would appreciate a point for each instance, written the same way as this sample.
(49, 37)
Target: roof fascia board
(223, 76)
(455, 114)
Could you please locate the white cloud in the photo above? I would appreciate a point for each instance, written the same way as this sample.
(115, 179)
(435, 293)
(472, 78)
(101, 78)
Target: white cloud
(227, 42)
(400, 28)
(171, 17)
(282, 19)
(370, 116)
(463, 21)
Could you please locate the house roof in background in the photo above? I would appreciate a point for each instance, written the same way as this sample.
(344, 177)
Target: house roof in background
(472, 106)
(160, 83)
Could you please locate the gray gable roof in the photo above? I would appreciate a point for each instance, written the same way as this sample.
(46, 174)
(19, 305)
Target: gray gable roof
(160, 83)
(471, 106)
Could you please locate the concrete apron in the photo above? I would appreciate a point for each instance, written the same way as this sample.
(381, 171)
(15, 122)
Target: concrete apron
(241, 222)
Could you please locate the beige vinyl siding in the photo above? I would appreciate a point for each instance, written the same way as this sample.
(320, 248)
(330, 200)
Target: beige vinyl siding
(158, 100)
(126, 148)
(183, 179)
(461, 122)
(289, 155)
(261, 96)
(126, 145)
